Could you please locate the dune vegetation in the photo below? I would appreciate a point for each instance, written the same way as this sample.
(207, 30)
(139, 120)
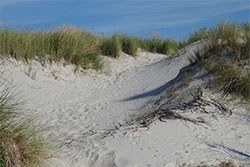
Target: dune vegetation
(227, 58)
(64, 43)
(71, 45)
(117, 43)
(21, 144)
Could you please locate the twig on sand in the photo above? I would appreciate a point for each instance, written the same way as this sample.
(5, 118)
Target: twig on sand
(169, 113)
(197, 103)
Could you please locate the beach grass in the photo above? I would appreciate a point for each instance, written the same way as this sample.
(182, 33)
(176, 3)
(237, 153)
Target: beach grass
(227, 58)
(65, 43)
(21, 144)
(165, 46)
(117, 43)
(111, 46)
(200, 34)
(231, 78)
(129, 44)
(70, 45)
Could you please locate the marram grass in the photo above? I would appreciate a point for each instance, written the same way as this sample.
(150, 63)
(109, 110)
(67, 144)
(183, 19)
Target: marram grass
(71, 45)
(228, 58)
(20, 142)
(66, 43)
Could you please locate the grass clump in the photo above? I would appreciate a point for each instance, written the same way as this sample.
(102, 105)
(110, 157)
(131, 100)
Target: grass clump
(231, 77)
(65, 43)
(152, 45)
(2, 157)
(233, 38)
(198, 35)
(117, 43)
(157, 45)
(129, 44)
(20, 143)
(227, 58)
(225, 36)
(71, 45)
(111, 46)
(169, 46)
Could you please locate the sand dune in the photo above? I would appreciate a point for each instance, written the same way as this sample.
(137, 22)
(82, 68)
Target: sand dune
(80, 109)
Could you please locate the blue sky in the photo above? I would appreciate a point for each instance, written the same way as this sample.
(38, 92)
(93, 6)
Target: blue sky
(172, 18)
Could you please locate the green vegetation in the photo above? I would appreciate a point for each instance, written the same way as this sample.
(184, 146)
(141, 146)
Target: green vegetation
(169, 46)
(111, 46)
(158, 45)
(231, 77)
(152, 45)
(57, 44)
(117, 43)
(228, 57)
(20, 144)
(198, 35)
(70, 45)
(2, 157)
(74, 46)
(129, 44)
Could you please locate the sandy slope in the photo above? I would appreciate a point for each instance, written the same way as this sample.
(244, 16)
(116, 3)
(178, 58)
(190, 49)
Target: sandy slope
(80, 107)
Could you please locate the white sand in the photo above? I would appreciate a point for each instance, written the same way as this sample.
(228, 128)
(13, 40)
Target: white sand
(76, 106)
